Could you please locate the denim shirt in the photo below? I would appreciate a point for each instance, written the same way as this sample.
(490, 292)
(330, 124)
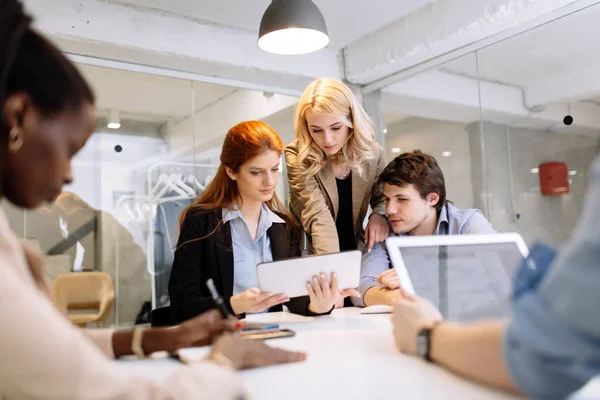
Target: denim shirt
(452, 221)
(248, 253)
(552, 344)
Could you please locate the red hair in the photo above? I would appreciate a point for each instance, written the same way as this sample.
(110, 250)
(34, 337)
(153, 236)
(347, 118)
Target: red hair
(243, 142)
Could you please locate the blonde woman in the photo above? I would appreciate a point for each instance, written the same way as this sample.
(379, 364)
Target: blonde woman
(332, 165)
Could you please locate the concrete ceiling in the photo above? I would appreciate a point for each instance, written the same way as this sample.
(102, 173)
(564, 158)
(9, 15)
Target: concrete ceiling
(340, 15)
(594, 100)
(529, 80)
(555, 49)
(532, 80)
(217, 39)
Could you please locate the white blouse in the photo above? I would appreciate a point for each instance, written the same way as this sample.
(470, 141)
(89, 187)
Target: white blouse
(43, 356)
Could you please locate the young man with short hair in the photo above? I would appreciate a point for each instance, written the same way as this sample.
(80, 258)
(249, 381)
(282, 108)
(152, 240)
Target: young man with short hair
(415, 198)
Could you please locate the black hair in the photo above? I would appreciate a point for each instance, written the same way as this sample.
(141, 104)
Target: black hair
(31, 64)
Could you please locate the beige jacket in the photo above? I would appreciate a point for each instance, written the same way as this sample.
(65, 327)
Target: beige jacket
(43, 356)
(314, 202)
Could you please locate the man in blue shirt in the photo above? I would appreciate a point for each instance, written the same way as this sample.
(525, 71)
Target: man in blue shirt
(551, 345)
(415, 199)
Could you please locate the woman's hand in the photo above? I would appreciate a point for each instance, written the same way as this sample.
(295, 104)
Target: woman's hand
(198, 331)
(411, 314)
(377, 230)
(203, 329)
(247, 353)
(253, 300)
(323, 296)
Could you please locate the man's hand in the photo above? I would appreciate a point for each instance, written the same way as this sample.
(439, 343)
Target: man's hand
(411, 314)
(389, 278)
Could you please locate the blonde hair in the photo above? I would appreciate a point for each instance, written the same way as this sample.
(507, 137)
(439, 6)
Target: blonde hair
(330, 96)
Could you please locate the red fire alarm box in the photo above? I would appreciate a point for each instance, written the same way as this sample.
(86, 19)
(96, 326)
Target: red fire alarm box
(554, 178)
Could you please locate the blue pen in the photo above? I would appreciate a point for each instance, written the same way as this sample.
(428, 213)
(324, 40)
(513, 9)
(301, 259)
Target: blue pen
(260, 327)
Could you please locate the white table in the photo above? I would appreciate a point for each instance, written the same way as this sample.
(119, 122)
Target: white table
(350, 356)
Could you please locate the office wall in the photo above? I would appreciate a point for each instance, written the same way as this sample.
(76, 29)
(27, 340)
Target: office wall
(547, 218)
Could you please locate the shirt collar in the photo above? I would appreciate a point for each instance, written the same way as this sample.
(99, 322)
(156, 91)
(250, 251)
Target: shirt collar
(234, 212)
(231, 213)
(443, 219)
(276, 219)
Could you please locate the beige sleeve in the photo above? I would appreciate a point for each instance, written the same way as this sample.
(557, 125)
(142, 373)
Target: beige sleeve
(42, 356)
(315, 216)
(377, 202)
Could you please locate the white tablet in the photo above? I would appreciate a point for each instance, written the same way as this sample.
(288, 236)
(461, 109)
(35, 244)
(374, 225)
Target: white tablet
(468, 277)
(290, 276)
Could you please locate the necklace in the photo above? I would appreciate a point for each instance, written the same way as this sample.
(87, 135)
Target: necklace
(345, 174)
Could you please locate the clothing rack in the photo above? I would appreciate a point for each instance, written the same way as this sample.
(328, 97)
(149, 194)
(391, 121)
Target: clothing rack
(151, 221)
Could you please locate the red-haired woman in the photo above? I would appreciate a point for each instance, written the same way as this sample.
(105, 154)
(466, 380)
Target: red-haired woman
(237, 223)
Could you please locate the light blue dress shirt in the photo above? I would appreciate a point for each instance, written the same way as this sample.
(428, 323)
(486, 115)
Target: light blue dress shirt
(248, 253)
(452, 221)
(552, 345)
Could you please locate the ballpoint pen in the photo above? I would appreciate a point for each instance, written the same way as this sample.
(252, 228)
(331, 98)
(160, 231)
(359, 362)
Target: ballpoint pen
(217, 298)
(221, 305)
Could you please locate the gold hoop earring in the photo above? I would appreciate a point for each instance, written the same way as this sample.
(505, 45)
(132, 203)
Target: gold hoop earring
(15, 139)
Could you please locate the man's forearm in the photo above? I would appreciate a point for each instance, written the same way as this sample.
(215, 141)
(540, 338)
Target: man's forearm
(380, 295)
(474, 351)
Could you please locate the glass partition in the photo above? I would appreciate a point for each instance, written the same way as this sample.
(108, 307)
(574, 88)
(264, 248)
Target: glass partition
(501, 119)
(541, 125)
(107, 220)
(155, 149)
(495, 120)
(432, 112)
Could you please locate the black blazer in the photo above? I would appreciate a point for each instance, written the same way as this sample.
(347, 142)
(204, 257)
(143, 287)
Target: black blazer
(212, 257)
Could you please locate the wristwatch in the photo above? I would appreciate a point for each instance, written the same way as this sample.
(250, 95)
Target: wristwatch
(424, 342)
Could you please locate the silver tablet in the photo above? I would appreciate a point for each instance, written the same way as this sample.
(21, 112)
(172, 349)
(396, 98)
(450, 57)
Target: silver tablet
(468, 277)
(289, 276)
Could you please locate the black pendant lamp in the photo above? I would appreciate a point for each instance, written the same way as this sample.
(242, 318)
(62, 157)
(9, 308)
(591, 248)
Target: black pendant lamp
(292, 27)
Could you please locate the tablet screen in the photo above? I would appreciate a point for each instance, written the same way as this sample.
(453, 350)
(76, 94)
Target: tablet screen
(466, 282)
